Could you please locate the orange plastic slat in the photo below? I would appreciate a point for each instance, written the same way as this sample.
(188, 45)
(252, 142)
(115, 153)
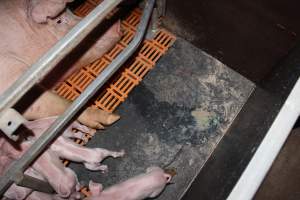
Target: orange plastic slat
(128, 77)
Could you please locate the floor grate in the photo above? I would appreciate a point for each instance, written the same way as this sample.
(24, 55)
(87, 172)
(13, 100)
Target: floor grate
(128, 77)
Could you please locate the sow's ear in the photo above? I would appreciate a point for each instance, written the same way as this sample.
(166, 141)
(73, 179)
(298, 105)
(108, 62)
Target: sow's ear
(40, 10)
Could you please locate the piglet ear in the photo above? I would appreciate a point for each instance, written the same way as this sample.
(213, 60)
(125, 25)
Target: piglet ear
(168, 177)
(95, 188)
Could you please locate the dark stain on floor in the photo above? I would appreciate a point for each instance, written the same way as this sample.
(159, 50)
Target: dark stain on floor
(174, 118)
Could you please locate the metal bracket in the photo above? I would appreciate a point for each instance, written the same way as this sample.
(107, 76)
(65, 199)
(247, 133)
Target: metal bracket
(161, 6)
(33, 183)
(156, 19)
(10, 121)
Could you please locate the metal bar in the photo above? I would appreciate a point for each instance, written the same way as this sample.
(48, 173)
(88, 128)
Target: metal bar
(49, 60)
(269, 148)
(10, 121)
(33, 183)
(161, 6)
(52, 132)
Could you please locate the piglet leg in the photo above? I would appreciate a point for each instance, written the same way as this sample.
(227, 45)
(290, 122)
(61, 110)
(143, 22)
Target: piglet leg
(61, 178)
(67, 149)
(74, 131)
(44, 196)
(50, 168)
(18, 192)
(47, 167)
(91, 158)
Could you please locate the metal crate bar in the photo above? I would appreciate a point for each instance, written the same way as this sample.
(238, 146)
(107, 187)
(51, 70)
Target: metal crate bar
(52, 132)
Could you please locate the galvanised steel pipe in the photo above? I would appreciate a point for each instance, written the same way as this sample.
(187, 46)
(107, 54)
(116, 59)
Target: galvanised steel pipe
(50, 59)
(53, 131)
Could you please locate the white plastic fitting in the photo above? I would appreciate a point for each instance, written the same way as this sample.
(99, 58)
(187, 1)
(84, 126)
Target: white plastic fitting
(267, 151)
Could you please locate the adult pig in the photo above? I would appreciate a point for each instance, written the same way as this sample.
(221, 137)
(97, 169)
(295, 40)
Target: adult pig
(23, 41)
(41, 10)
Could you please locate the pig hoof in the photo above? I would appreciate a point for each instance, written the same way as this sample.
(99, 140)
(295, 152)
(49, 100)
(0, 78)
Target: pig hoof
(85, 140)
(96, 167)
(119, 154)
(92, 132)
(82, 128)
(104, 169)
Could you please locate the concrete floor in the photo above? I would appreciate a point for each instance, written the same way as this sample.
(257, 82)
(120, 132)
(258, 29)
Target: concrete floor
(257, 39)
(251, 37)
(174, 119)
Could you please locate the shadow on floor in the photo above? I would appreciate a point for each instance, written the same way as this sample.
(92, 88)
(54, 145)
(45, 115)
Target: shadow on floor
(248, 36)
